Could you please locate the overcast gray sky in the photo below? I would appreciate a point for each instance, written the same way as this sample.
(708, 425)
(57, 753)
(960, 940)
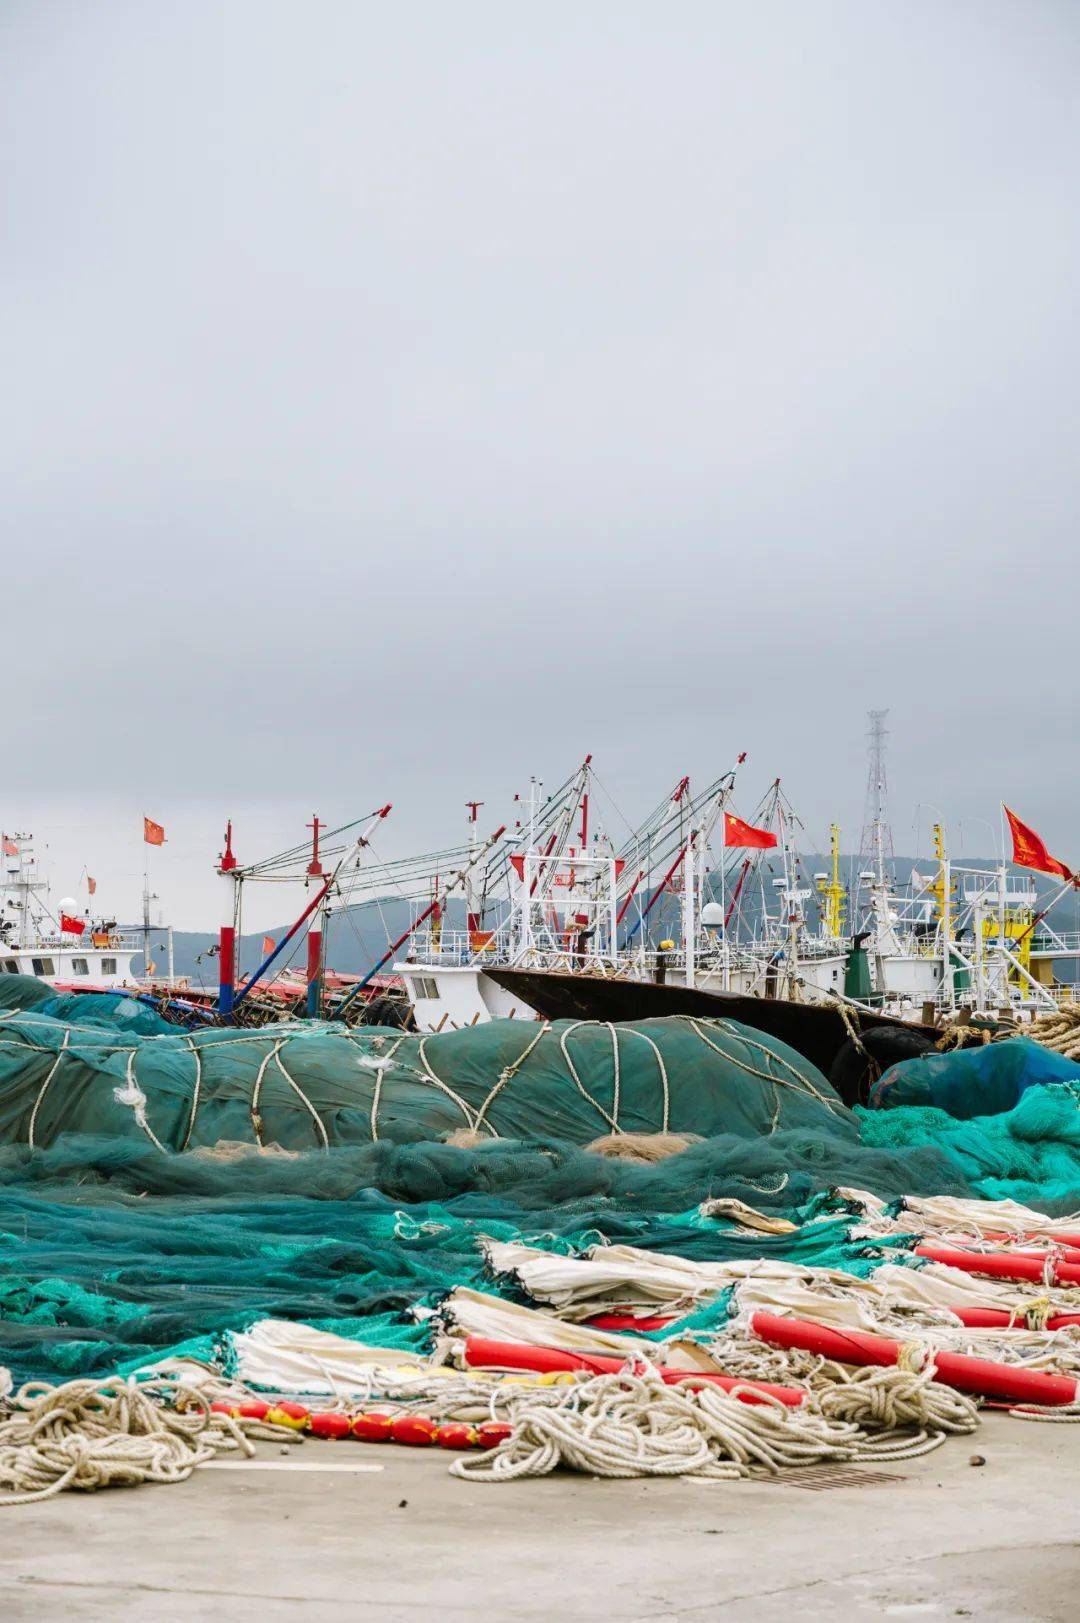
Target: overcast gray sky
(401, 399)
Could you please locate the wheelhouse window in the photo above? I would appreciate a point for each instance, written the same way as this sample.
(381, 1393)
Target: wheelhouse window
(108, 966)
(11, 966)
(43, 966)
(80, 966)
(424, 986)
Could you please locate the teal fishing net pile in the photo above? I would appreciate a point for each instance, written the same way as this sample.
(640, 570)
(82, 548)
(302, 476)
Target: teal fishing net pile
(116, 1245)
(1030, 1153)
(99, 1279)
(302, 1084)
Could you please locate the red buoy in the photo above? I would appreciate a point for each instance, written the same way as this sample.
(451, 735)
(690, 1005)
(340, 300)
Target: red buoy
(331, 1423)
(255, 1410)
(372, 1428)
(966, 1374)
(415, 1430)
(284, 1413)
(456, 1434)
(492, 1433)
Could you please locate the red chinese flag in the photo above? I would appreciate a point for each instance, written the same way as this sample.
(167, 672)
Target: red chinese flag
(70, 926)
(736, 832)
(1030, 852)
(91, 885)
(153, 833)
(268, 945)
(10, 848)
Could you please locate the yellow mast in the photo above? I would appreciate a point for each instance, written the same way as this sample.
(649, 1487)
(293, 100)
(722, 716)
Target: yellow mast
(831, 890)
(937, 886)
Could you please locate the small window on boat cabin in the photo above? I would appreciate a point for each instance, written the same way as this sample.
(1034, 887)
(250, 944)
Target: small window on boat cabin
(108, 966)
(424, 986)
(80, 966)
(43, 966)
(11, 966)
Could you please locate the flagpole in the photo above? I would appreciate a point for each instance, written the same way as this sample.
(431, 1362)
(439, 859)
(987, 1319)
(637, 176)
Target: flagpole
(146, 903)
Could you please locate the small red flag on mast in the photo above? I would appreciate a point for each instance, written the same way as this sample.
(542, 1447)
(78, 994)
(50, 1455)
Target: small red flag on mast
(91, 885)
(268, 945)
(10, 848)
(736, 832)
(1030, 852)
(153, 833)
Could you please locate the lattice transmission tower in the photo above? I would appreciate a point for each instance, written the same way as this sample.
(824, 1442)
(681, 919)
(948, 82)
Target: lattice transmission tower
(876, 846)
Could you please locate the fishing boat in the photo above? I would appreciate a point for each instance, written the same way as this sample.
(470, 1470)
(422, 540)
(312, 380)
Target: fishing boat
(67, 945)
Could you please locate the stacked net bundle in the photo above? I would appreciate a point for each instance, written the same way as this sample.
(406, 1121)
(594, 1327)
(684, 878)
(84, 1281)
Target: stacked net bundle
(302, 1084)
(977, 1081)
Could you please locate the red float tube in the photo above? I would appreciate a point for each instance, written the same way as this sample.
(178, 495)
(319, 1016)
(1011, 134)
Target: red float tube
(626, 1321)
(1056, 1248)
(1003, 1264)
(979, 1375)
(996, 1318)
(480, 1353)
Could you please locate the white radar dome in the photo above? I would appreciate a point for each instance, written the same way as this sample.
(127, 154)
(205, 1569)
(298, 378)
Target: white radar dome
(712, 915)
(67, 904)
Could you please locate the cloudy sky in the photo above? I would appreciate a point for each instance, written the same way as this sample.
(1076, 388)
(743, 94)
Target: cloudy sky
(399, 400)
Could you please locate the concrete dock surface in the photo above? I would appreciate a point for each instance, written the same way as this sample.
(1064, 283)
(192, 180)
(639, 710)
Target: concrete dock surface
(306, 1536)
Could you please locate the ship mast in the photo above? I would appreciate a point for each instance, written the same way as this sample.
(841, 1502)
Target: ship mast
(831, 889)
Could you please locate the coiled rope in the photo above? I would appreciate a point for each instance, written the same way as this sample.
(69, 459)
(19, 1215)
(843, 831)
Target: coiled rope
(106, 1434)
(631, 1424)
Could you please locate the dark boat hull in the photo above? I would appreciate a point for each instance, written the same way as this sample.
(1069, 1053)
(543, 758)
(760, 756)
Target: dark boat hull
(815, 1030)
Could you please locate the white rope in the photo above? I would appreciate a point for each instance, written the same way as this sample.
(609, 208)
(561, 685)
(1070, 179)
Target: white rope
(445, 1086)
(585, 1094)
(664, 1083)
(54, 1067)
(507, 1075)
(801, 1084)
(376, 1094)
(256, 1092)
(132, 1095)
(103, 1434)
(195, 1092)
(627, 1425)
(297, 1089)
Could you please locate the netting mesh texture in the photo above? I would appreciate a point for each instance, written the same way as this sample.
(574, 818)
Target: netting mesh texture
(118, 1245)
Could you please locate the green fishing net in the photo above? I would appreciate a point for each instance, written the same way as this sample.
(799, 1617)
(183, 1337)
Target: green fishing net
(305, 1083)
(116, 1245)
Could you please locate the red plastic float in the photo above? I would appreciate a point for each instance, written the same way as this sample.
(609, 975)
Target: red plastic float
(480, 1353)
(332, 1424)
(457, 1434)
(626, 1321)
(415, 1430)
(1003, 1264)
(980, 1375)
(996, 1318)
(372, 1428)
